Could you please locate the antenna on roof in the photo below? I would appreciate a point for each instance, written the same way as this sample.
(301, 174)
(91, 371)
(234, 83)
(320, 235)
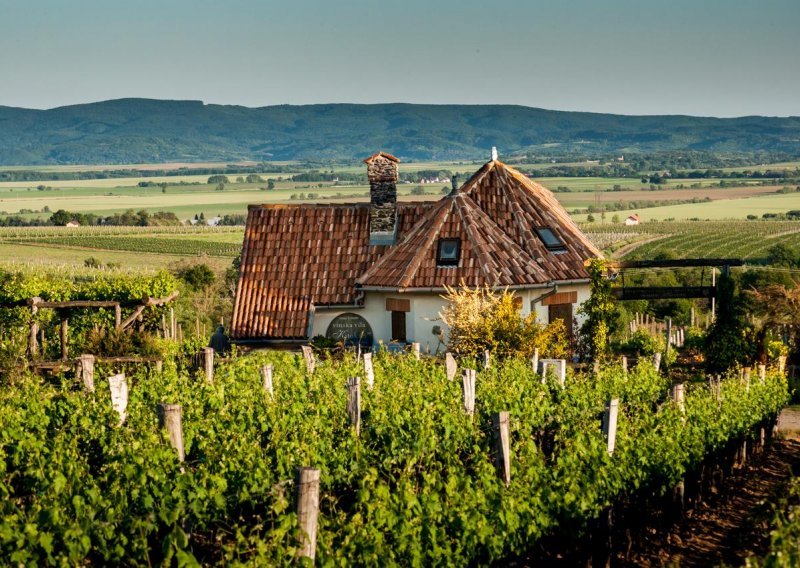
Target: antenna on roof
(494, 153)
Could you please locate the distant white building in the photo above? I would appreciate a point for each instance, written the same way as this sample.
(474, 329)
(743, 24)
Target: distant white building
(632, 220)
(73, 224)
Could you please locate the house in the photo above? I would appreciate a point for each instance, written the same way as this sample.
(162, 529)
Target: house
(377, 270)
(632, 220)
(73, 224)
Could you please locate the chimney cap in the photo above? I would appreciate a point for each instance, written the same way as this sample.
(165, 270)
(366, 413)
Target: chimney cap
(381, 155)
(494, 153)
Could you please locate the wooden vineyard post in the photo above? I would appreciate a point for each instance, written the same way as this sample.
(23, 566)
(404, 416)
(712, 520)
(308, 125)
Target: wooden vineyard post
(624, 362)
(86, 371)
(747, 371)
(119, 395)
(207, 363)
(781, 364)
(64, 332)
(691, 317)
(535, 361)
(762, 373)
(657, 361)
(369, 371)
(266, 378)
(500, 422)
(486, 359)
(451, 367)
(354, 403)
(308, 356)
(679, 396)
(610, 424)
(117, 316)
(468, 390)
(415, 350)
(560, 367)
(169, 417)
(307, 511)
(173, 333)
(669, 342)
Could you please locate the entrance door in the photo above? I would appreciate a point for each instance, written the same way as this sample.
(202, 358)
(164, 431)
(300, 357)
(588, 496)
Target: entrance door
(399, 326)
(562, 312)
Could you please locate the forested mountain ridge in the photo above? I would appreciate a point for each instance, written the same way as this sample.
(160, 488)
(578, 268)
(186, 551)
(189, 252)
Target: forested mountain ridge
(146, 131)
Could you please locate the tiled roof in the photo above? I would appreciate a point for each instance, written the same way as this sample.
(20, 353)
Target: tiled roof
(298, 255)
(381, 154)
(488, 256)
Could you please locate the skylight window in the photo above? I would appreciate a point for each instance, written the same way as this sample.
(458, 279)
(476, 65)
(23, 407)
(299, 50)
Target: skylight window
(550, 239)
(448, 252)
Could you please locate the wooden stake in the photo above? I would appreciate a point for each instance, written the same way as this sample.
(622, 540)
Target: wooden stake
(33, 346)
(657, 361)
(119, 395)
(354, 403)
(624, 362)
(781, 364)
(308, 356)
(468, 390)
(415, 350)
(762, 373)
(173, 333)
(535, 361)
(369, 371)
(308, 511)
(679, 396)
(502, 448)
(64, 334)
(486, 359)
(451, 367)
(169, 417)
(117, 316)
(266, 377)
(207, 361)
(86, 371)
(610, 424)
(669, 342)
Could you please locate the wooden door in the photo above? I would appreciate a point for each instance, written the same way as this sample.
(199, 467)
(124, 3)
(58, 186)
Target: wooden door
(399, 326)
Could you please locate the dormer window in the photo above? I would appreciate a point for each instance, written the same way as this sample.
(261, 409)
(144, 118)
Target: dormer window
(448, 252)
(550, 239)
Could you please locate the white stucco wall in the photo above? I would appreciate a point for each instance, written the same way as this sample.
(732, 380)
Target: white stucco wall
(424, 313)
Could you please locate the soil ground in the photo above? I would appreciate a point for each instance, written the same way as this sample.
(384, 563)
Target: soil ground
(735, 523)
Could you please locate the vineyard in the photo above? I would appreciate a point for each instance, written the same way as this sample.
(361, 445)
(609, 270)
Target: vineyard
(187, 241)
(418, 485)
(748, 240)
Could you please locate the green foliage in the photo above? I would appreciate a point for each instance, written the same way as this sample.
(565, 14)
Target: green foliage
(599, 310)
(783, 255)
(197, 276)
(726, 341)
(218, 179)
(417, 487)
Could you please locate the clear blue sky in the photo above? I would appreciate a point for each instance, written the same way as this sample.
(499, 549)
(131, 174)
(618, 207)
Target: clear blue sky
(699, 57)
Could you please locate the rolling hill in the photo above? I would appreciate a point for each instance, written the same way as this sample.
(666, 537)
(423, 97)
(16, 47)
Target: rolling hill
(146, 131)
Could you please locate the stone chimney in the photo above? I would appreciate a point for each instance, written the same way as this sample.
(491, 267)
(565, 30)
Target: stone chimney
(382, 174)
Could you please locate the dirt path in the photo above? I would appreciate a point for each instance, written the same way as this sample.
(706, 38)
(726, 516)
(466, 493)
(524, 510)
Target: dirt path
(735, 524)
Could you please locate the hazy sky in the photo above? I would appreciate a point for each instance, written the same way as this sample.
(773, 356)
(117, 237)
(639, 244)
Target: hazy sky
(700, 57)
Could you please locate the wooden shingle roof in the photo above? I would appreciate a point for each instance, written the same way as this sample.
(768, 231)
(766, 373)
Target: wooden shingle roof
(301, 256)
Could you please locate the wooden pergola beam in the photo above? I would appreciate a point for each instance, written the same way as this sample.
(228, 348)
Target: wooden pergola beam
(676, 263)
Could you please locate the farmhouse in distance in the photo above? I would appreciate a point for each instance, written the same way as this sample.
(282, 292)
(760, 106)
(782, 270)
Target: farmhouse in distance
(376, 271)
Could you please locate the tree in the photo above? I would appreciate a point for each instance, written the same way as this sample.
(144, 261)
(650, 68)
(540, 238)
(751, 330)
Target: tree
(218, 179)
(782, 255)
(726, 341)
(599, 310)
(197, 277)
(271, 184)
(254, 178)
(60, 218)
(615, 219)
(590, 218)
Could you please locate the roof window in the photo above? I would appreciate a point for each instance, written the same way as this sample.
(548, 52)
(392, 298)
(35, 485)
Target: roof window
(550, 239)
(448, 252)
